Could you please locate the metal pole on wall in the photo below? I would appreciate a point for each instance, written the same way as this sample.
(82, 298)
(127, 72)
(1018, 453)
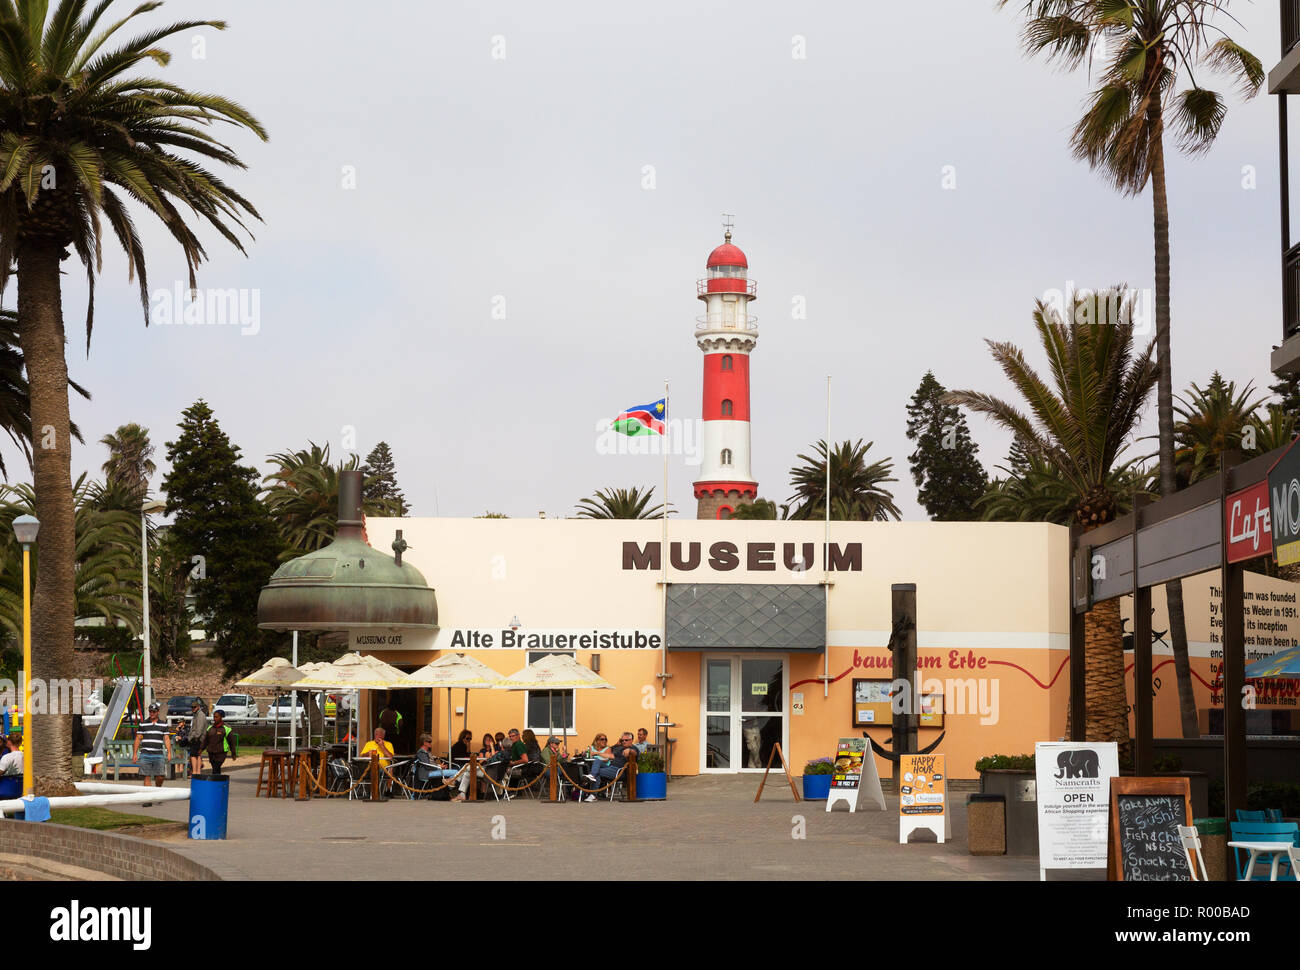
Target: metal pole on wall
(663, 557)
(826, 550)
(1232, 600)
(293, 706)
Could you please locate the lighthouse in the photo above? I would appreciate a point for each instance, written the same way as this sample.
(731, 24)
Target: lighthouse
(726, 333)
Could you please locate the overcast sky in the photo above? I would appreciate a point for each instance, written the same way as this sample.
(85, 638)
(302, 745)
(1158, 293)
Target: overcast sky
(499, 153)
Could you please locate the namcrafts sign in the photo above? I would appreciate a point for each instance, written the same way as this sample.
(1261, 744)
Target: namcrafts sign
(1073, 785)
(854, 774)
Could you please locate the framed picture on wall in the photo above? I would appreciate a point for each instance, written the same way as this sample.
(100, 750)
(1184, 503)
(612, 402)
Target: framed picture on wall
(871, 703)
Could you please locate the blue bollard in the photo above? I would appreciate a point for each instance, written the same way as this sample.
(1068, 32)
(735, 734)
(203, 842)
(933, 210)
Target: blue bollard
(209, 800)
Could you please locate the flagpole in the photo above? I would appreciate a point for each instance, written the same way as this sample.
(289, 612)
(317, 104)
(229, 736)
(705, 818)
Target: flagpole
(826, 549)
(663, 558)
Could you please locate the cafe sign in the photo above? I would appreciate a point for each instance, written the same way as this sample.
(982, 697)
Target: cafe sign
(1247, 522)
(1284, 507)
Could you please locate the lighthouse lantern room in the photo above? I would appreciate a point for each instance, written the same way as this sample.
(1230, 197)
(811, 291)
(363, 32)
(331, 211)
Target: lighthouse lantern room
(726, 333)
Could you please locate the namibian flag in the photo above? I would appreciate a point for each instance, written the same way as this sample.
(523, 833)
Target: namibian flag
(643, 419)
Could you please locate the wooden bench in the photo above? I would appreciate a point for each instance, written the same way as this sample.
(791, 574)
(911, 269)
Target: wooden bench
(117, 754)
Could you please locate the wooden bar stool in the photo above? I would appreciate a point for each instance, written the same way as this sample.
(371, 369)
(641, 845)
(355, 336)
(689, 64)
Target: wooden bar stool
(273, 769)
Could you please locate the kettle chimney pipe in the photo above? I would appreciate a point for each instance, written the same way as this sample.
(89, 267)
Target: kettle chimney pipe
(349, 526)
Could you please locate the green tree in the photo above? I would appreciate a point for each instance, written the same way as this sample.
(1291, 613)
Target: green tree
(170, 616)
(1211, 420)
(217, 516)
(81, 132)
(1035, 490)
(620, 503)
(381, 479)
(1277, 430)
(760, 509)
(107, 558)
(858, 492)
(1137, 50)
(1075, 429)
(302, 495)
(130, 465)
(948, 477)
(1287, 389)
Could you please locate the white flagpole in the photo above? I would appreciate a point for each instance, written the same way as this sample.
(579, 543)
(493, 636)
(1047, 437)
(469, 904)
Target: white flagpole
(826, 549)
(663, 558)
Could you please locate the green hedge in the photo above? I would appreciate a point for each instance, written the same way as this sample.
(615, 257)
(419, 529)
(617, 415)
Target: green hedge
(1006, 762)
(1281, 795)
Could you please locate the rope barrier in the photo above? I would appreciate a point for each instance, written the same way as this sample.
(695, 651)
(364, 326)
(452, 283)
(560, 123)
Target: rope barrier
(421, 791)
(592, 791)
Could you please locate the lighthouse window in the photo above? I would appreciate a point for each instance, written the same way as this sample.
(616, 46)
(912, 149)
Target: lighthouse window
(726, 362)
(726, 409)
(726, 456)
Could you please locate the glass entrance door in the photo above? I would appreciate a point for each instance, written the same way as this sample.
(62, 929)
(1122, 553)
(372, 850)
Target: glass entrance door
(743, 711)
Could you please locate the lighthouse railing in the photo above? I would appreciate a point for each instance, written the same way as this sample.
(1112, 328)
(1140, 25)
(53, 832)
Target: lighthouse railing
(710, 321)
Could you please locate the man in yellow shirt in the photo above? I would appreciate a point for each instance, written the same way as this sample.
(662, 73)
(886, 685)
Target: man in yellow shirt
(381, 746)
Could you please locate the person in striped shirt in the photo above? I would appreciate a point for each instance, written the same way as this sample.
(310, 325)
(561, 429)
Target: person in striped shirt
(153, 748)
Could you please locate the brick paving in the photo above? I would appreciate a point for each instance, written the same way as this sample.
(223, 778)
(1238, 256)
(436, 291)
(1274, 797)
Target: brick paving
(709, 828)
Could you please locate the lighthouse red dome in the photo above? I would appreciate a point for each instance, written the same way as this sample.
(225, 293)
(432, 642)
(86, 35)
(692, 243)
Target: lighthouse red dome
(727, 255)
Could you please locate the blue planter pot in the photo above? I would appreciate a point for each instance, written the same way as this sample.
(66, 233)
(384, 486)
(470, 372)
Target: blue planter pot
(651, 785)
(816, 787)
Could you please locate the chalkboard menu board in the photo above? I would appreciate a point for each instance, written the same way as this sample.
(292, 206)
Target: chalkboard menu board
(1144, 817)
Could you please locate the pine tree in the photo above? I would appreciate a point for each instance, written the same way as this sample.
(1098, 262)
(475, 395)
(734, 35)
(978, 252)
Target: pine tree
(381, 478)
(218, 517)
(1287, 390)
(948, 476)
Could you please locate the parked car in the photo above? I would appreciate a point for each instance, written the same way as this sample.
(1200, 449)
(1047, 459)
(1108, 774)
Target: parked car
(281, 708)
(180, 706)
(238, 707)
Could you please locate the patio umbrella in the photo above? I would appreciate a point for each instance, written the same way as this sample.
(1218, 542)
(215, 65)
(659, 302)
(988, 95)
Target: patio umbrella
(278, 673)
(353, 672)
(1283, 665)
(453, 671)
(556, 671)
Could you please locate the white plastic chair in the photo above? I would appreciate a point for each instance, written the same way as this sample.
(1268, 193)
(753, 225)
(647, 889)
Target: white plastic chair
(1192, 840)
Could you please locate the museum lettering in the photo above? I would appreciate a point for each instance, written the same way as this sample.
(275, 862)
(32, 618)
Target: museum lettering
(753, 556)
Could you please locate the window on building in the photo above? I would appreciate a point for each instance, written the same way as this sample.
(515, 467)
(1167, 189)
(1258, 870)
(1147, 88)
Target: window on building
(726, 408)
(726, 361)
(548, 711)
(726, 456)
(724, 512)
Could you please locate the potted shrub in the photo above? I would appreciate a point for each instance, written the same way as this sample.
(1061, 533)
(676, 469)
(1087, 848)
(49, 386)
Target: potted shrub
(1012, 777)
(817, 779)
(651, 781)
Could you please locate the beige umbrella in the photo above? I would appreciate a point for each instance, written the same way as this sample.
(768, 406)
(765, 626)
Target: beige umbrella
(453, 671)
(276, 672)
(556, 671)
(353, 672)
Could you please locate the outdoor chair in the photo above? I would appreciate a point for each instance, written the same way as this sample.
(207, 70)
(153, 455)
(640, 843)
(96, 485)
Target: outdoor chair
(1191, 840)
(522, 774)
(1243, 815)
(431, 786)
(338, 777)
(1284, 832)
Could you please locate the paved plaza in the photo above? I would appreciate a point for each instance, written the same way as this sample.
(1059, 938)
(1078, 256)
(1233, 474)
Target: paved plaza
(709, 828)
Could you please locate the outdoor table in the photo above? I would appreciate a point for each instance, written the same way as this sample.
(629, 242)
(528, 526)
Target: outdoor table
(1275, 849)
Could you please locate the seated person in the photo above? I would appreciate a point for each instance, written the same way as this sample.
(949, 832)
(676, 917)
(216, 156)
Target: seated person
(426, 766)
(619, 753)
(460, 750)
(642, 739)
(556, 751)
(11, 763)
(526, 756)
(598, 753)
(381, 746)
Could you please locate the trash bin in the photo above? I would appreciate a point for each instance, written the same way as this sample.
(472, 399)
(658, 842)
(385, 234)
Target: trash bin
(986, 824)
(209, 799)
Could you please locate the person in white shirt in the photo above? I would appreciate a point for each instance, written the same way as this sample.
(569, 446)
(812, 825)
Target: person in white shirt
(12, 762)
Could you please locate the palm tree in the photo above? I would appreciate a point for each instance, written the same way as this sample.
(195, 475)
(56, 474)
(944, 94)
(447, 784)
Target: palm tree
(1077, 427)
(80, 136)
(1276, 431)
(1211, 420)
(130, 465)
(15, 396)
(620, 503)
(857, 489)
(1141, 46)
(1039, 492)
(760, 509)
(303, 497)
(107, 555)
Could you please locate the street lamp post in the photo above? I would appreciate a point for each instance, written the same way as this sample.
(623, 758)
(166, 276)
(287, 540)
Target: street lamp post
(145, 509)
(25, 529)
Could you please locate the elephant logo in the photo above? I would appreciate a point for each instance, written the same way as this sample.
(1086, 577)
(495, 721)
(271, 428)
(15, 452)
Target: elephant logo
(1077, 764)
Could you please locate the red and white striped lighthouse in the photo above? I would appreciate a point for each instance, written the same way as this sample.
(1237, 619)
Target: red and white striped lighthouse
(727, 335)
